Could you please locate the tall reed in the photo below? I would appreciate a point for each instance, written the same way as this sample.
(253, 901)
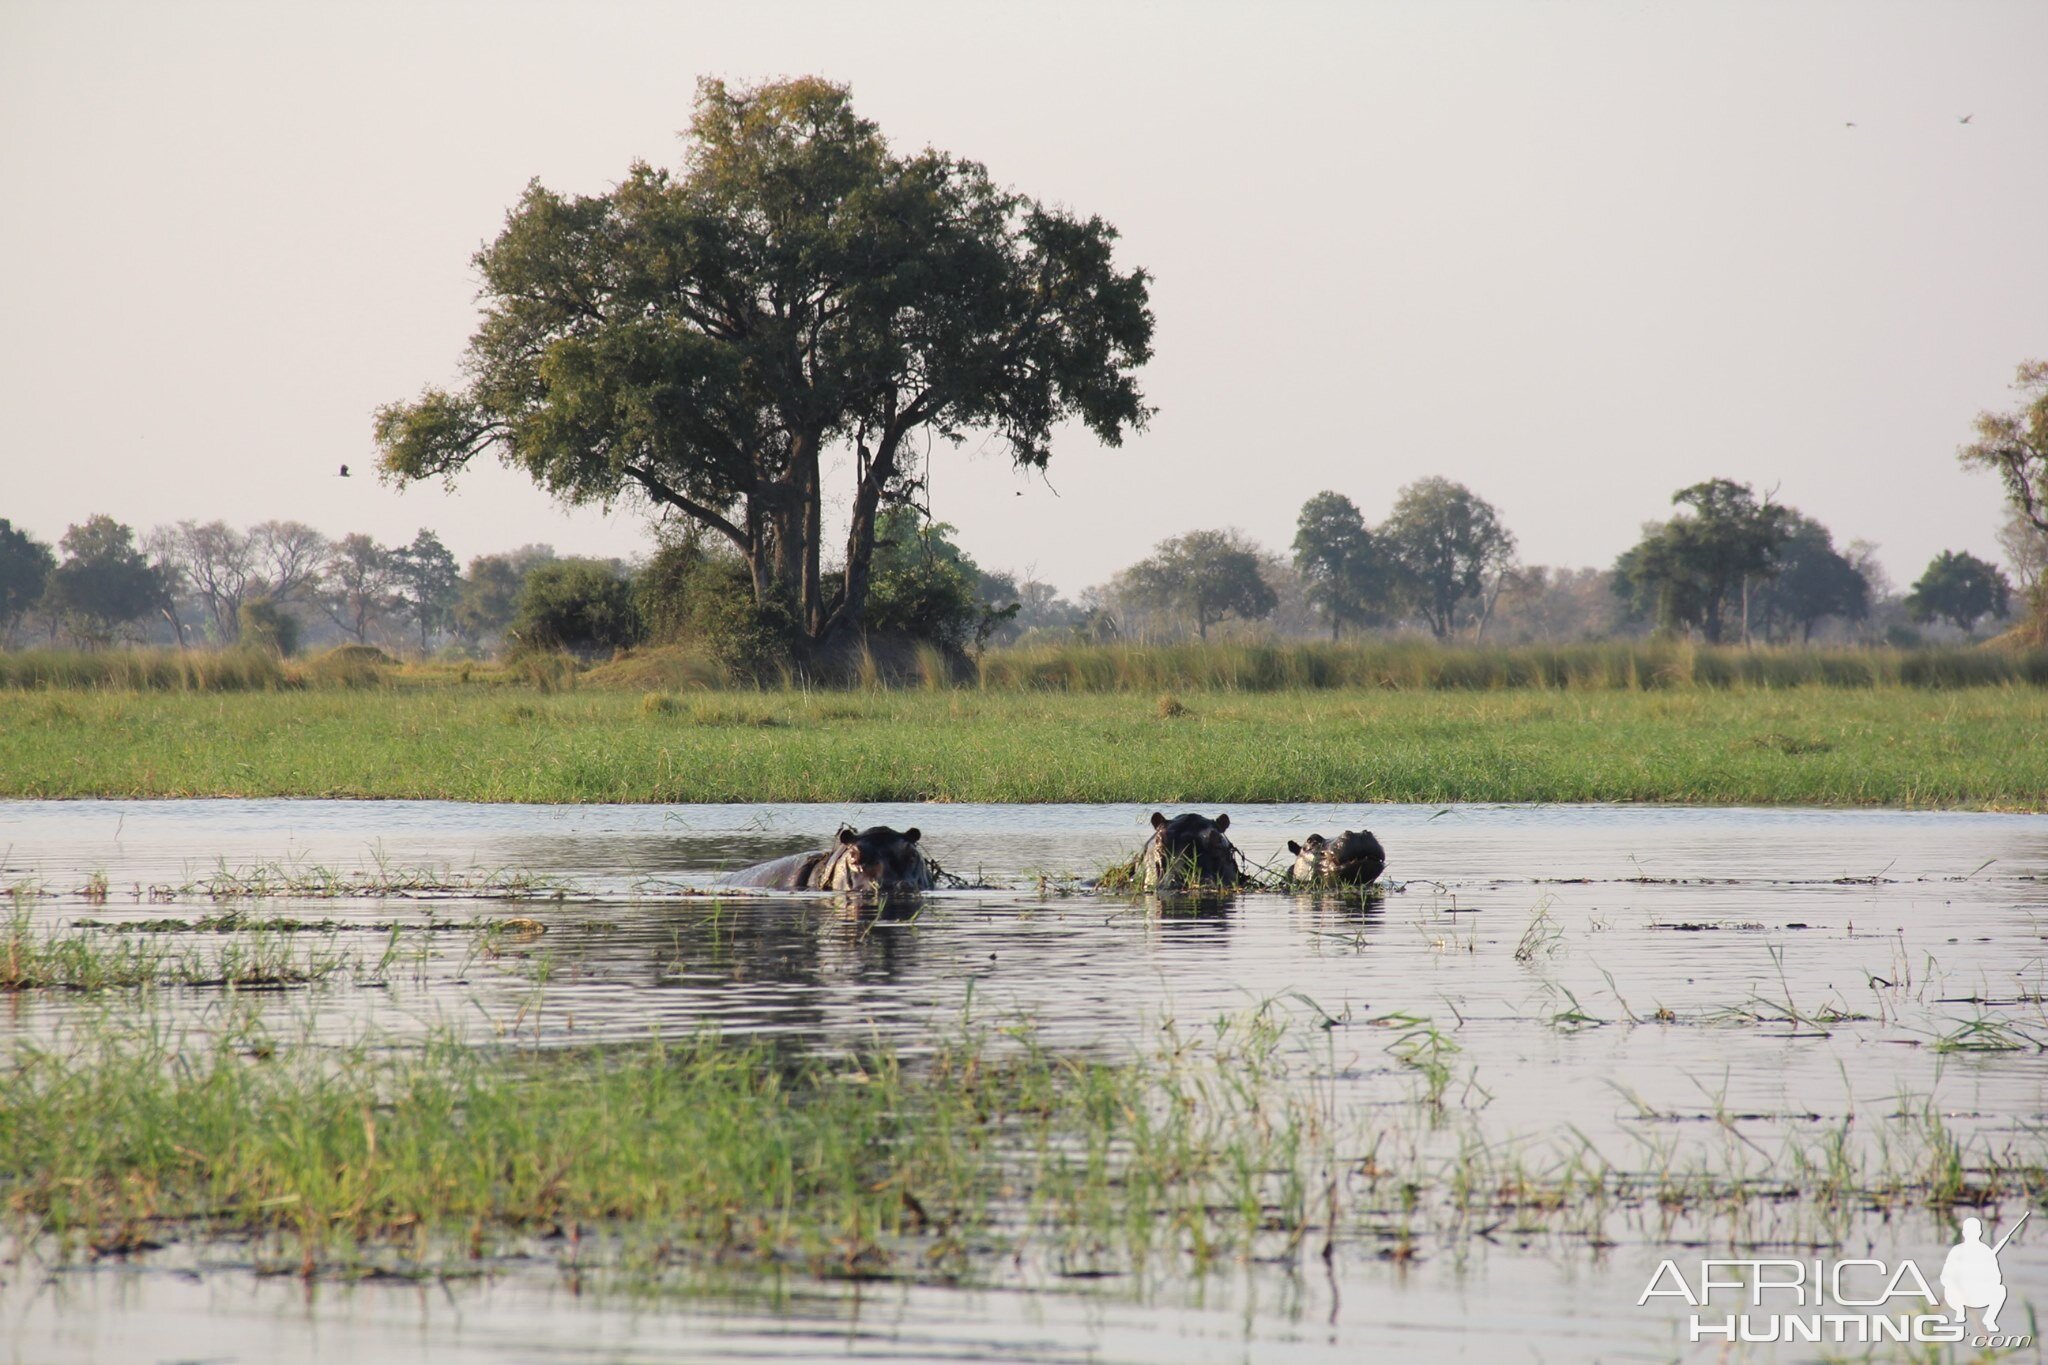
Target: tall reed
(144, 670)
(1427, 666)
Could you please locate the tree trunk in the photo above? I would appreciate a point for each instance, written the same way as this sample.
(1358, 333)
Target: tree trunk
(812, 592)
(170, 612)
(860, 541)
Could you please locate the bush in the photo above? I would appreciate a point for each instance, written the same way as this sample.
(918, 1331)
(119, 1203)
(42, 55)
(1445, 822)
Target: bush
(923, 586)
(665, 592)
(268, 626)
(578, 605)
(750, 642)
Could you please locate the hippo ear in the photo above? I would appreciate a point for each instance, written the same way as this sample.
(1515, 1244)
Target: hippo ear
(846, 835)
(1223, 822)
(910, 835)
(1293, 847)
(1158, 820)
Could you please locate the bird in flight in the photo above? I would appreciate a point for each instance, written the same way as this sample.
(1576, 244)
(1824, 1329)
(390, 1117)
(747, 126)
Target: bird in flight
(1848, 125)
(1966, 118)
(344, 472)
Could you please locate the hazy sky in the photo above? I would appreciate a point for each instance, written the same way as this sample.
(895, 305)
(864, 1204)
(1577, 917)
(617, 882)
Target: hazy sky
(1574, 256)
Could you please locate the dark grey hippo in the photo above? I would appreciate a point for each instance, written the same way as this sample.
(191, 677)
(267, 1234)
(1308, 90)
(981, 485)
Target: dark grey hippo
(1353, 858)
(1188, 851)
(877, 859)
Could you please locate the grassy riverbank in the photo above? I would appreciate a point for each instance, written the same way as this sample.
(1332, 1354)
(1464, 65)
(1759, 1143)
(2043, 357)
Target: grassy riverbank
(1884, 745)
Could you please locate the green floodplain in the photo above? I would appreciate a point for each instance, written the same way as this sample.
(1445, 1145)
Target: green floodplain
(1961, 730)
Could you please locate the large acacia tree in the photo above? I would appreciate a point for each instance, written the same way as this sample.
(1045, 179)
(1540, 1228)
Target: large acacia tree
(701, 338)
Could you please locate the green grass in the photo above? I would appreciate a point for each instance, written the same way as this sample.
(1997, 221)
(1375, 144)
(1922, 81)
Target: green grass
(1884, 745)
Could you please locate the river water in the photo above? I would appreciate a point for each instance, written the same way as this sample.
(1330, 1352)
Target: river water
(1632, 979)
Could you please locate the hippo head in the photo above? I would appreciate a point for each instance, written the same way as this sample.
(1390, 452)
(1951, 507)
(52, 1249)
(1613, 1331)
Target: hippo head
(880, 859)
(1308, 858)
(1353, 858)
(1190, 850)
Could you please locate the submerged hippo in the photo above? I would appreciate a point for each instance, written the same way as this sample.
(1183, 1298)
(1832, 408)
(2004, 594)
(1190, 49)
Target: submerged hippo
(877, 859)
(1188, 850)
(1353, 858)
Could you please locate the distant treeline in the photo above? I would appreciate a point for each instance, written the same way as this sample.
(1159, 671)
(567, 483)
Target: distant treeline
(1728, 566)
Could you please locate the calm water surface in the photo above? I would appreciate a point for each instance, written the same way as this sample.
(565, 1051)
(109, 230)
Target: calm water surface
(1629, 978)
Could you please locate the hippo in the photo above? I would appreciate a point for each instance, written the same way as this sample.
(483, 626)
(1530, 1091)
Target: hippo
(878, 859)
(1187, 851)
(1353, 858)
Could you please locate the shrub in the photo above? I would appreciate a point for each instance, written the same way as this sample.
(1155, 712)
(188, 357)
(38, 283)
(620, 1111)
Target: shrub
(268, 626)
(576, 604)
(752, 643)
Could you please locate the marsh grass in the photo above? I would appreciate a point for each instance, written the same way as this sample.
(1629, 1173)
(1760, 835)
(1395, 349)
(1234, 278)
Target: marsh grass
(377, 882)
(982, 1153)
(699, 1150)
(78, 959)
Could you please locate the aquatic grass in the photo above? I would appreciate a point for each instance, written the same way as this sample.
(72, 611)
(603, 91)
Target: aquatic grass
(733, 1153)
(80, 960)
(980, 1156)
(381, 881)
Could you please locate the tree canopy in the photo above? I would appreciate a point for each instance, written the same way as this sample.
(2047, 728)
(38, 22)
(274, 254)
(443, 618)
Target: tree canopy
(1204, 575)
(699, 339)
(1690, 568)
(1344, 567)
(355, 587)
(105, 583)
(1810, 581)
(426, 584)
(2014, 445)
(1961, 588)
(1446, 542)
(25, 565)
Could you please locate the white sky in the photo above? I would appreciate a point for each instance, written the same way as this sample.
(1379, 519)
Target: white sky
(1574, 256)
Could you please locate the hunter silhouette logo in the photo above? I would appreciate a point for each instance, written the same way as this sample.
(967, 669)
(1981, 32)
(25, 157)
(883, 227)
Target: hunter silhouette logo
(1856, 1300)
(1970, 1278)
